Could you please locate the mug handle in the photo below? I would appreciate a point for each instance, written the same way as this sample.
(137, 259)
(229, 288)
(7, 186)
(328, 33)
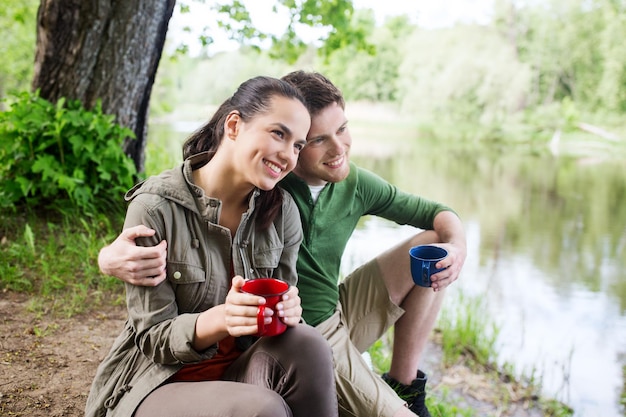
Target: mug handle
(426, 273)
(260, 320)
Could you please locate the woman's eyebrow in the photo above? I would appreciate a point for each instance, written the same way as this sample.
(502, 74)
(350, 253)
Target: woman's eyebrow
(284, 128)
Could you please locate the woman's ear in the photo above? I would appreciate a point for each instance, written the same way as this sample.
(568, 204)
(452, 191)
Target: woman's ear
(232, 124)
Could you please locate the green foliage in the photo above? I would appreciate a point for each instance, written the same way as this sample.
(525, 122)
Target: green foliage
(370, 74)
(462, 75)
(60, 156)
(536, 69)
(555, 408)
(186, 86)
(447, 406)
(333, 16)
(575, 47)
(17, 49)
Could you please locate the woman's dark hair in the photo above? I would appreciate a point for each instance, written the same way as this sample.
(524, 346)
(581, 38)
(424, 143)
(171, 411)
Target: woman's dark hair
(253, 97)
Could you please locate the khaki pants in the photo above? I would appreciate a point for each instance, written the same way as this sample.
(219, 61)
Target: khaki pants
(365, 312)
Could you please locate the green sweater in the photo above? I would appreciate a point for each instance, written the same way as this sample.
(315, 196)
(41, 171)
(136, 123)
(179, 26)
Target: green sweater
(329, 223)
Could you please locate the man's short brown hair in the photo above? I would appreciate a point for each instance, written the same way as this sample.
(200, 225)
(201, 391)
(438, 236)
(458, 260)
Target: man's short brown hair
(317, 90)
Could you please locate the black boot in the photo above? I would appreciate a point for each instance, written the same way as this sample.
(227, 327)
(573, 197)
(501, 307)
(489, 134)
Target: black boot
(414, 394)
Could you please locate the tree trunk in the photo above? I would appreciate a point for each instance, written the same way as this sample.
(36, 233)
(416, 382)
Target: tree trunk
(103, 49)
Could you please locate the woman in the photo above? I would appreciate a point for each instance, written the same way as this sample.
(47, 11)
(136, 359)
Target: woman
(187, 349)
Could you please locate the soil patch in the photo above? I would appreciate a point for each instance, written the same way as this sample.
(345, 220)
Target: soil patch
(47, 363)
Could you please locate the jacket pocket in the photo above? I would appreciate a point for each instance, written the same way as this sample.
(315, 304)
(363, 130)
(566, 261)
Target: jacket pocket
(267, 248)
(190, 284)
(265, 263)
(182, 273)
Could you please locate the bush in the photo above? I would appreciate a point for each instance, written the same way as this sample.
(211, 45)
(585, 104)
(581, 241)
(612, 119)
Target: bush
(62, 156)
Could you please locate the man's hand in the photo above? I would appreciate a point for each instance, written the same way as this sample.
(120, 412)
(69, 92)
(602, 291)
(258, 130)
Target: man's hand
(453, 264)
(451, 234)
(137, 265)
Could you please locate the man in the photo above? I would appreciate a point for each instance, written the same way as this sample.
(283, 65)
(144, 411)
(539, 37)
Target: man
(332, 194)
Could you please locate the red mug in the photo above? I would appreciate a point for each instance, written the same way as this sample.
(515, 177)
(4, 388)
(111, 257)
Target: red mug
(272, 290)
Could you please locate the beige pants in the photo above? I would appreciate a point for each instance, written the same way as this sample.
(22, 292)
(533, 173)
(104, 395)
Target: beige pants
(365, 312)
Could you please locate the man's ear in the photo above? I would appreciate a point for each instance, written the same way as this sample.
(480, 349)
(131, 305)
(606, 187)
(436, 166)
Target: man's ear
(232, 124)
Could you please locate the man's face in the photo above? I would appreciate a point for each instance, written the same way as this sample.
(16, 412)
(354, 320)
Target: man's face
(325, 157)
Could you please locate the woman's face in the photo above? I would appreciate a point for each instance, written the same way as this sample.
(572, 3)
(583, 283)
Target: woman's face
(269, 143)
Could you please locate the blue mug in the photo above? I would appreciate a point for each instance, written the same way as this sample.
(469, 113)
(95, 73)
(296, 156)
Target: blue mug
(423, 261)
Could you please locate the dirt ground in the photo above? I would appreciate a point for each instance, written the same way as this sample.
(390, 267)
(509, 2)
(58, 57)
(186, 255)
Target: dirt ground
(47, 365)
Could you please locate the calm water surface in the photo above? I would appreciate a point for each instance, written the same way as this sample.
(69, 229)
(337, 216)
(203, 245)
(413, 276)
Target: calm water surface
(546, 251)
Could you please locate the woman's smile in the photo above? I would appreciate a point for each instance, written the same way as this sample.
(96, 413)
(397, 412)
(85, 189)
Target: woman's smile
(274, 168)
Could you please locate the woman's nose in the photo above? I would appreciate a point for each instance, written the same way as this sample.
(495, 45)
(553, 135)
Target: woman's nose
(288, 154)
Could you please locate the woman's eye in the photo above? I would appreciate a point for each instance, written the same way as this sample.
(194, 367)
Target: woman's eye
(279, 133)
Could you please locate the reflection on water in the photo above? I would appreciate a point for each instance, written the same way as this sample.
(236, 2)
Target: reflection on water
(546, 247)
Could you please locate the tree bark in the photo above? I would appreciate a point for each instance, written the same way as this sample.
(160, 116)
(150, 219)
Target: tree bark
(106, 50)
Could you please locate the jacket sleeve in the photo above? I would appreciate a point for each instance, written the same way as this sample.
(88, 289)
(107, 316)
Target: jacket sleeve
(161, 333)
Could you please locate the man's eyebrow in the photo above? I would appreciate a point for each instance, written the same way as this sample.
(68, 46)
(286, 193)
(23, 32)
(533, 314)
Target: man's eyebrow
(322, 136)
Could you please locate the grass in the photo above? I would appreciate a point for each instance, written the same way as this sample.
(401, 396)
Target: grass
(55, 261)
(466, 332)
(623, 395)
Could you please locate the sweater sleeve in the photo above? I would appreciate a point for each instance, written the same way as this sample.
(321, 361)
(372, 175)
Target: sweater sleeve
(380, 198)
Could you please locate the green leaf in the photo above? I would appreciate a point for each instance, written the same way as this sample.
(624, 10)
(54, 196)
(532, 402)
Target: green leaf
(29, 237)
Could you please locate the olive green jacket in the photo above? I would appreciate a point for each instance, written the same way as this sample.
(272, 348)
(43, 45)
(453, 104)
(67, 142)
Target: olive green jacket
(157, 337)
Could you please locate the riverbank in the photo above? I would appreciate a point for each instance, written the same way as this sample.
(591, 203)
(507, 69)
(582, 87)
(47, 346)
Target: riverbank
(47, 364)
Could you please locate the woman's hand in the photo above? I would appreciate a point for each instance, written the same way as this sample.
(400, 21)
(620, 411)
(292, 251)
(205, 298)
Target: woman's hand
(289, 309)
(240, 310)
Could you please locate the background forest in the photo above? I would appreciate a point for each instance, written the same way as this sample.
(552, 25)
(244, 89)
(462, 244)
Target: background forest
(539, 67)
